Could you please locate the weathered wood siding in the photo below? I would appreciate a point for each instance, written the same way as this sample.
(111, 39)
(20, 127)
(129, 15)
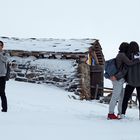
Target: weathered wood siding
(96, 81)
(84, 72)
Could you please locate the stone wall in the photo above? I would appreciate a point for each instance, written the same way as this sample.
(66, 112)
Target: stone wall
(61, 73)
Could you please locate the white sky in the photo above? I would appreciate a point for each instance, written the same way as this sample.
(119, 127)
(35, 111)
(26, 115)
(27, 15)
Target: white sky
(110, 21)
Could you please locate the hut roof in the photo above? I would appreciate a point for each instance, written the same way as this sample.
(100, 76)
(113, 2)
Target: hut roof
(47, 44)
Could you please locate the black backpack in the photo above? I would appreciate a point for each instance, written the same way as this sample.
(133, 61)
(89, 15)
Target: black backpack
(110, 68)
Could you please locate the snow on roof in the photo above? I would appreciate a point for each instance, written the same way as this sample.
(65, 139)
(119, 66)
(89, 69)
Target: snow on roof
(50, 44)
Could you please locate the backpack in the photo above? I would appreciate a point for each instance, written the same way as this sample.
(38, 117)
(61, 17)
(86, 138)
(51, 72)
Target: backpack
(110, 68)
(8, 71)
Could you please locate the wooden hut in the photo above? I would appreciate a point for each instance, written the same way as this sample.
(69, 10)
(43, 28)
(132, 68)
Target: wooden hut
(87, 53)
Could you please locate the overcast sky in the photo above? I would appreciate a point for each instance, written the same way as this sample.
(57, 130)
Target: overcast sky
(110, 21)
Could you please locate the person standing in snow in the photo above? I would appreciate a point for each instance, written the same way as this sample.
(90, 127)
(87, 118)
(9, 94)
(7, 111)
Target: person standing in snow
(122, 61)
(132, 77)
(3, 70)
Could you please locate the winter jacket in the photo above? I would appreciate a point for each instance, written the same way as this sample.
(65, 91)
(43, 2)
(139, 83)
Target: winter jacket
(133, 75)
(3, 61)
(122, 62)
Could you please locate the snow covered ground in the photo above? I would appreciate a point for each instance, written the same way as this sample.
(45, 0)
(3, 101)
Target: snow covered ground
(44, 112)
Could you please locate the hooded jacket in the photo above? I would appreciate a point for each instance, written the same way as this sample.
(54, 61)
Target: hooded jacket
(3, 61)
(133, 75)
(122, 62)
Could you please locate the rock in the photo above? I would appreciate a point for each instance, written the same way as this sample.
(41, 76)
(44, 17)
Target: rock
(56, 79)
(21, 74)
(41, 78)
(18, 70)
(30, 75)
(13, 75)
(31, 81)
(21, 79)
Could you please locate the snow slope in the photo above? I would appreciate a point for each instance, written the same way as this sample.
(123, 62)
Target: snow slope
(44, 112)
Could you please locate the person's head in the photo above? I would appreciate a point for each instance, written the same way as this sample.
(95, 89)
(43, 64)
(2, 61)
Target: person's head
(1, 45)
(123, 47)
(91, 51)
(134, 47)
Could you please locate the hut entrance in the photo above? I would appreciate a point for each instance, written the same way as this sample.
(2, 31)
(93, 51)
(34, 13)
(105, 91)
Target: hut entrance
(96, 81)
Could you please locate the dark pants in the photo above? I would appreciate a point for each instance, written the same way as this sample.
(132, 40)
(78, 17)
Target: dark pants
(2, 93)
(127, 95)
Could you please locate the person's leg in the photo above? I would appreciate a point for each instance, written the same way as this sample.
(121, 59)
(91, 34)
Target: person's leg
(4, 103)
(120, 102)
(2, 94)
(127, 95)
(138, 95)
(117, 90)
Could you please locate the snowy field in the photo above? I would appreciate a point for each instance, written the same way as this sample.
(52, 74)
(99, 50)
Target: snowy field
(43, 112)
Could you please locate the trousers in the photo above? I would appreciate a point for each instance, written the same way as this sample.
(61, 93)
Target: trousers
(127, 95)
(117, 96)
(2, 93)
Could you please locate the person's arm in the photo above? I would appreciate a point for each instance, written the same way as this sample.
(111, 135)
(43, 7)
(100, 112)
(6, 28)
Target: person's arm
(124, 66)
(3, 58)
(122, 73)
(129, 62)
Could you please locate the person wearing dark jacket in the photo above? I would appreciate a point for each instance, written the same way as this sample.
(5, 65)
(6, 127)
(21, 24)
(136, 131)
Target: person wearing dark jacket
(3, 61)
(132, 77)
(122, 61)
